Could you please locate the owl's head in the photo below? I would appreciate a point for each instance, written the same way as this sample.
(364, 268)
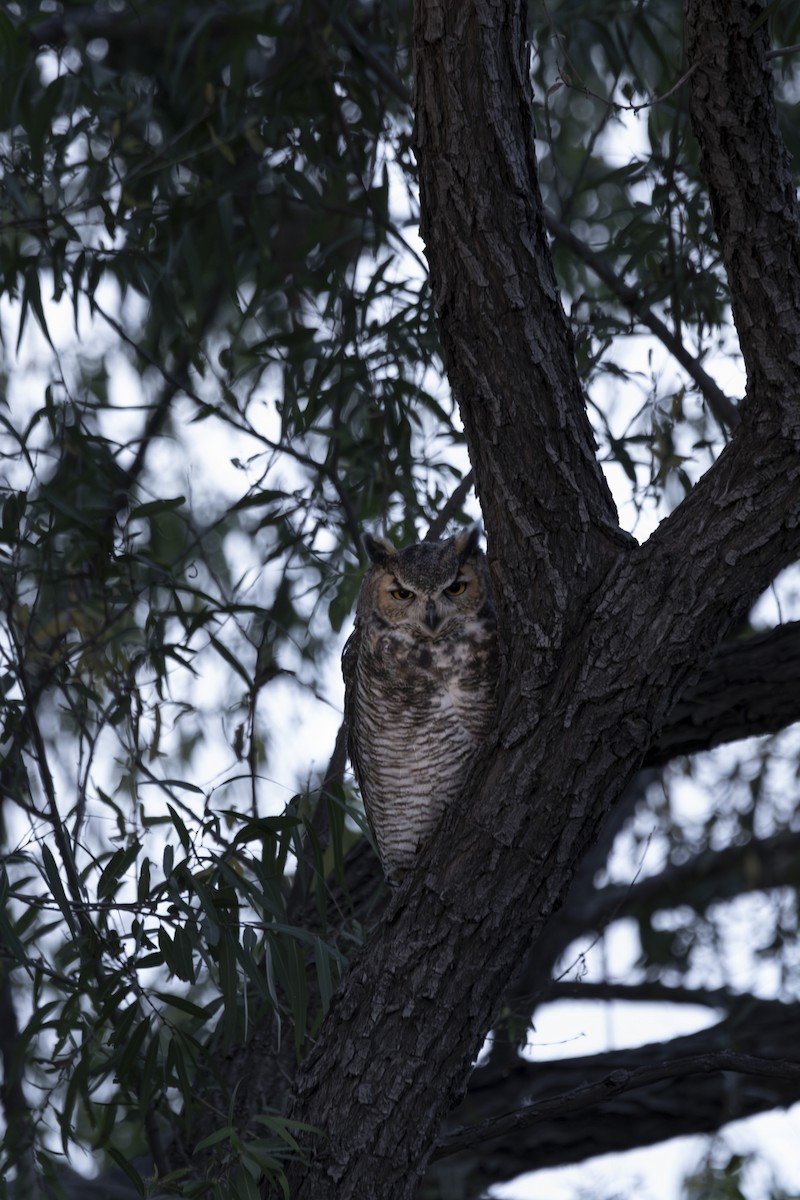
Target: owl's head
(431, 587)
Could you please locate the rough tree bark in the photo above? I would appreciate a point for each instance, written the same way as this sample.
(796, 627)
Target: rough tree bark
(602, 637)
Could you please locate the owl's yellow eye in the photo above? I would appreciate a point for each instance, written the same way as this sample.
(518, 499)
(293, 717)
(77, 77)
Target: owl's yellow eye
(401, 594)
(456, 589)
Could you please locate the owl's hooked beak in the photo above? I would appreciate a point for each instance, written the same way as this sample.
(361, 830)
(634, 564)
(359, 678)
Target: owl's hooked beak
(432, 618)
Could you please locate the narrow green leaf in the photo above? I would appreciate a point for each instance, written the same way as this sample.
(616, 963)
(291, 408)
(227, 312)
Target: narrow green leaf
(130, 1054)
(8, 37)
(229, 985)
(32, 296)
(182, 831)
(177, 953)
(764, 16)
(143, 889)
(184, 955)
(153, 507)
(151, 1072)
(76, 1087)
(128, 1168)
(258, 499)
(261, 978)
(178, 1068)
(260, 828)
(184, 1005)
(181, 783)
(214, 1139)
(53, 877)
(273, 995)
(8, 936)
(231, 659)
(115, 868)
(206, 899)
(244, 1186)
(108, 1119)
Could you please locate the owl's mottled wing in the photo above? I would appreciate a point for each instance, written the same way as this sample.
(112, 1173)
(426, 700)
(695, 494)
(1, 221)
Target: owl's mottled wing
(349, 670)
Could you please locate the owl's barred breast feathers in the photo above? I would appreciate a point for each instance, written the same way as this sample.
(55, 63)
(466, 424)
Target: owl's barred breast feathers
(420, 673)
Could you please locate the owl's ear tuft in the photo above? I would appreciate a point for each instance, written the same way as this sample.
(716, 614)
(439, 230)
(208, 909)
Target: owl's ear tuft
(379, 549)
(466, 542)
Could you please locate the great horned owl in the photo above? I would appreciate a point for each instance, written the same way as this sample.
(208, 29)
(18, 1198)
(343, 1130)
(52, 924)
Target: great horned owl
(420, 671)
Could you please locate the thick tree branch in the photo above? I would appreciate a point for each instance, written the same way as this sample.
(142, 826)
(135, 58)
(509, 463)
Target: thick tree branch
(675, 1106)
(757, 865)
(619, 1081)
(646, 992)
(742, 682)
(752, 190)
(749, 688)
(508, 347)
(601, 642)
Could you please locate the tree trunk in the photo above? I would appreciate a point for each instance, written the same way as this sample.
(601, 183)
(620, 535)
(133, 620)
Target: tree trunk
(601, 637)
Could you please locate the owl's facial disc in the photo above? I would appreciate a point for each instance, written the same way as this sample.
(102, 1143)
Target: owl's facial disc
(431, 613)
(430, 604)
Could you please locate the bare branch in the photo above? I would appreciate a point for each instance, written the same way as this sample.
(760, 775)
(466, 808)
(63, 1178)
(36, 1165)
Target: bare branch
(669, 1107)
(751, 186)
(756, 865)
(780, 51)
(614, 1085)
(454, 505)
(176, 380)
(508, 347)
(647, 991)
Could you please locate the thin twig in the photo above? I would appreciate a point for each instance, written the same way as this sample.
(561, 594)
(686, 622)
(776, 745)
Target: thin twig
(616, 105)
(646, 991)
(452, 506)
(721, 405)
(779, 51)
(382, 70)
